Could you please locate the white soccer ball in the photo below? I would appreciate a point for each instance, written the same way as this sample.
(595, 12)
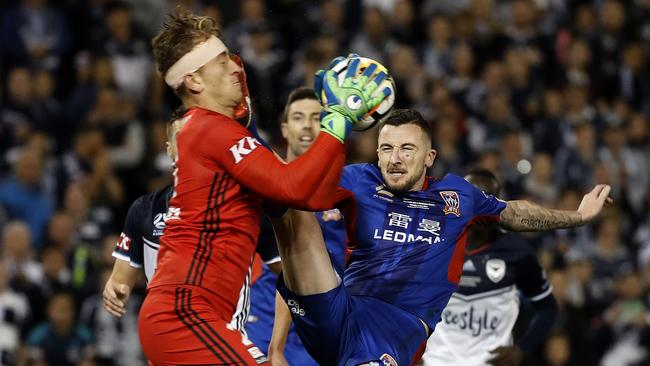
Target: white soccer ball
(380, 112)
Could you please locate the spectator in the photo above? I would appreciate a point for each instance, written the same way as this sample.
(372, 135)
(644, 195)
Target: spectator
(540, 183)
(451, 156)
(116, 118)
(61, 340)
(16, 118)
(632, 85)
(92, 220)
(408, 75)
(578, 63)
(627, 169)
(608, 255)
(403, 23)
(14, 317)
(550, 130)
(115, 339)
(557, 351)
(129, 53)
(608, 46)
(498, 119)
(462, 71)
(263, 66)
(524, 86)
(87, 164)
(625, 322)
(43, 39)
(23, 197)
(251, 14)
(373, 40)
(575, 166)
(438, 49)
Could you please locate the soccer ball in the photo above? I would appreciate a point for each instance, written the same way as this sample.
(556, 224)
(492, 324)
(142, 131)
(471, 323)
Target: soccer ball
(380, 112)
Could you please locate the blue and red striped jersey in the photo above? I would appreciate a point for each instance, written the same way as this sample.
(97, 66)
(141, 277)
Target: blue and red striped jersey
(407, 248)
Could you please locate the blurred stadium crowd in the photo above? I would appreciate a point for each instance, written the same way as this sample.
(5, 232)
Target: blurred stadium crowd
(552, 95)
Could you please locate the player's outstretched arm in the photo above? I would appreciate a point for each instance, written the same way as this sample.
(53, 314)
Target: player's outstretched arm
(118, 287)
(528, 216)
(281, 325)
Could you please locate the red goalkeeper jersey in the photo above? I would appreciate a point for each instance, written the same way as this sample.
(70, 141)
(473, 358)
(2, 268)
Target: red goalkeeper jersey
(222, 174)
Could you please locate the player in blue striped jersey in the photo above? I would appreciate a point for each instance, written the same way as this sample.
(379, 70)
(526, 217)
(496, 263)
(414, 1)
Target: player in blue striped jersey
(406, 238)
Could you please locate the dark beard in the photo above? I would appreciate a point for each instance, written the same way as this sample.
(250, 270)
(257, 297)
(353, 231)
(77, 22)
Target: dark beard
(407, 186)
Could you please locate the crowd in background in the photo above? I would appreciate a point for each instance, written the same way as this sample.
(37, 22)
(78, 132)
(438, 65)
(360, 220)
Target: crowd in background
(551, 95)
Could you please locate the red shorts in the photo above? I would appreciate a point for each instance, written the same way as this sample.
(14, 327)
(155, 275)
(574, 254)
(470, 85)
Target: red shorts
(178, 326)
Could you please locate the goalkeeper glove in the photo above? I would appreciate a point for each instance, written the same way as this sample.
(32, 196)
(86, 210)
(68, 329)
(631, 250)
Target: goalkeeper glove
(347, 103)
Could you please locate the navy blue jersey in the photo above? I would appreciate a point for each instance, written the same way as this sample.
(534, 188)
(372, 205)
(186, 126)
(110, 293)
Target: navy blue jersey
(407, 249)
(507, 262)
(480, 316)
(143, 227)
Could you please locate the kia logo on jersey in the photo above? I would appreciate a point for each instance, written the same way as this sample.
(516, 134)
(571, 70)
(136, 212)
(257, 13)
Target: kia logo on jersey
(124, 243)
(244, 147)
(495, 269)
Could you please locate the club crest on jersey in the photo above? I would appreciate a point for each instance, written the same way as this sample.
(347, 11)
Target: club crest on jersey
(387, 360)
(452, 202)
(159, 224)
(495, 269)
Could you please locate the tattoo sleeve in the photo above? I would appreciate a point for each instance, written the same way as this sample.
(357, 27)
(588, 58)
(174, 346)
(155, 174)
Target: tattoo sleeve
(528, 216)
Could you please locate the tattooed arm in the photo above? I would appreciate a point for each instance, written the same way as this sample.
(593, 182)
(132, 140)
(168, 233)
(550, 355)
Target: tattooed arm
(528, 216)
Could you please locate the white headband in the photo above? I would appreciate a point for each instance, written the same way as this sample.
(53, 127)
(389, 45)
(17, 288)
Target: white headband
(200, 55)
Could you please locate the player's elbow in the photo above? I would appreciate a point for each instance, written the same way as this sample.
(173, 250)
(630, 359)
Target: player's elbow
(320, 203)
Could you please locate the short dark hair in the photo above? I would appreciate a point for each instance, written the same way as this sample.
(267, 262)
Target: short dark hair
(400, 117)
(487, 176)
(299, 93)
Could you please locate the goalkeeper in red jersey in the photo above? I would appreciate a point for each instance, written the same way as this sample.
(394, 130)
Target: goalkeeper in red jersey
(221, 177)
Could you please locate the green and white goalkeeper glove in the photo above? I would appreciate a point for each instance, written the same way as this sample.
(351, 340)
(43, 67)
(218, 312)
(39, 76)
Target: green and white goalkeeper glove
(344, 105)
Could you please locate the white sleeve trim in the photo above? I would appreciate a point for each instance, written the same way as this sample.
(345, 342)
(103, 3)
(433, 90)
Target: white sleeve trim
(544, 294)
(121, 256)
(273, 260)
(126, 258)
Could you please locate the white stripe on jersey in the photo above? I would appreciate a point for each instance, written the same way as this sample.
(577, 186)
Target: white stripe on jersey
(240, 315)
(481, 295)
(121, 256)
(548, 291)
(273, 260)
(150, 254)
(150, 243)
